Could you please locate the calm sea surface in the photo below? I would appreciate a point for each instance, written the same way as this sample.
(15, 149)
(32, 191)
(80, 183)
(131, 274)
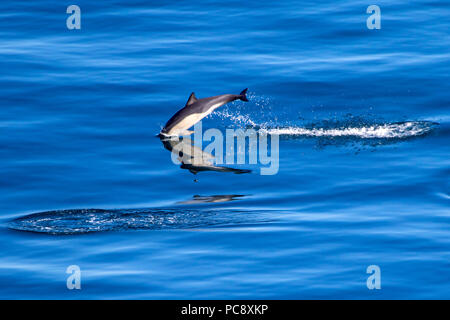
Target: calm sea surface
(364, 156)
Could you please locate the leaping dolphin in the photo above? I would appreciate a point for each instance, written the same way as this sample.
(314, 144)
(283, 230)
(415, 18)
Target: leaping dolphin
(195, 110)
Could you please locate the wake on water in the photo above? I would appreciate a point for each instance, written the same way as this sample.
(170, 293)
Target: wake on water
(400, 130)
(79, 221)
(393, 130)
(348, 127)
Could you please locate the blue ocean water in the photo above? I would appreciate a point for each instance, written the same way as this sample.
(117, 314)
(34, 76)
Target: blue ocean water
(364, 125)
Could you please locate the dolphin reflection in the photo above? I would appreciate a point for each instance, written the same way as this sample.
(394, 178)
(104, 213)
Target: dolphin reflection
(194, 158)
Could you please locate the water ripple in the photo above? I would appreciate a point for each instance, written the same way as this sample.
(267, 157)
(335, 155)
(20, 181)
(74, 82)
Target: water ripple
(78, 221)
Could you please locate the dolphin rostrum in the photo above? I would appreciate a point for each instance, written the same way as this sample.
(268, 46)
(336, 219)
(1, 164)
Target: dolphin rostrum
(195, 110)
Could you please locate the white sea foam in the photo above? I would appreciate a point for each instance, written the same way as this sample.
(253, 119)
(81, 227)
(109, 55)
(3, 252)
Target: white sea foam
(380, 131)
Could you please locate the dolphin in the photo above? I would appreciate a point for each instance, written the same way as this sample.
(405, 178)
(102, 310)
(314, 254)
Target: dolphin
(195, 110)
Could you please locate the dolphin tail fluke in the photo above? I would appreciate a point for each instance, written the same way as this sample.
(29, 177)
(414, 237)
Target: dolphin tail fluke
(242, 95)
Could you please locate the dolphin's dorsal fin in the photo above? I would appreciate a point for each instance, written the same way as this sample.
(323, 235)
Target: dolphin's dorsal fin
(192, 99)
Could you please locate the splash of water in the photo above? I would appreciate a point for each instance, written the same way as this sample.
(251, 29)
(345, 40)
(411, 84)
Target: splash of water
(237, 119)
(243, 115)
(349, 126)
